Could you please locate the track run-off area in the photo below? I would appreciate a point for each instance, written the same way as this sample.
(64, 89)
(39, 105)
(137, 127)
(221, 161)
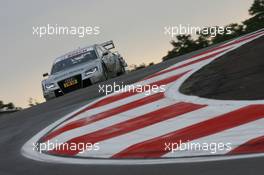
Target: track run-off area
(138, 128)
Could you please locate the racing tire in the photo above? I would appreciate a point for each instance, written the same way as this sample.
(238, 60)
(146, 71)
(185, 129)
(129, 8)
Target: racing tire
(123, 70)
(105, 72)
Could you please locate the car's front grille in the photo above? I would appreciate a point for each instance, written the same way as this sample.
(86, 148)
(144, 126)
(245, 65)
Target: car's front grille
(71, 84)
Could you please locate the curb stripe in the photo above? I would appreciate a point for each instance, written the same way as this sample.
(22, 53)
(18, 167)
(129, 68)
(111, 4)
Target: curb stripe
(253, 146)
(115, 119)
(127, 94)
(94, 118)
(149, 148)
(131, 125)
(232, 138)
(123, 95)
(114, 145)
(118, 97)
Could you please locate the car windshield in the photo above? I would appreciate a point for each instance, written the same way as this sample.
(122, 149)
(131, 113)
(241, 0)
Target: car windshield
(73, 61)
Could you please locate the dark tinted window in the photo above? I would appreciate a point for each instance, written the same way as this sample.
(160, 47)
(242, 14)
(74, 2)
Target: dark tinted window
(73, 61)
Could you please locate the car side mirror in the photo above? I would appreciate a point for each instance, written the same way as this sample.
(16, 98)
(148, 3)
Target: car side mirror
(45, 74)
(105, 53)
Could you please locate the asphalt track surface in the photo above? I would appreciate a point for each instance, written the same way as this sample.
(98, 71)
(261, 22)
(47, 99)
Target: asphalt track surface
(17, 128)
(237, 75)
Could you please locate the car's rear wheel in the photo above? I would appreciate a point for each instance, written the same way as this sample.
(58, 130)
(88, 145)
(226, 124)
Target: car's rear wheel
(105, 72)
(122, 69)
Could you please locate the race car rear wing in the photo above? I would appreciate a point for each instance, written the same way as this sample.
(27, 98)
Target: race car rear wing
(108, 45)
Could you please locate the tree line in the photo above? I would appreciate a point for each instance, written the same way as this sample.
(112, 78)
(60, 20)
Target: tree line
(185, 43)
(11, 106)
(8, 106)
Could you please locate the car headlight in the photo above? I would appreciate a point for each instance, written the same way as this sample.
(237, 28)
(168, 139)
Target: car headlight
(50, 85)
(90, 71)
